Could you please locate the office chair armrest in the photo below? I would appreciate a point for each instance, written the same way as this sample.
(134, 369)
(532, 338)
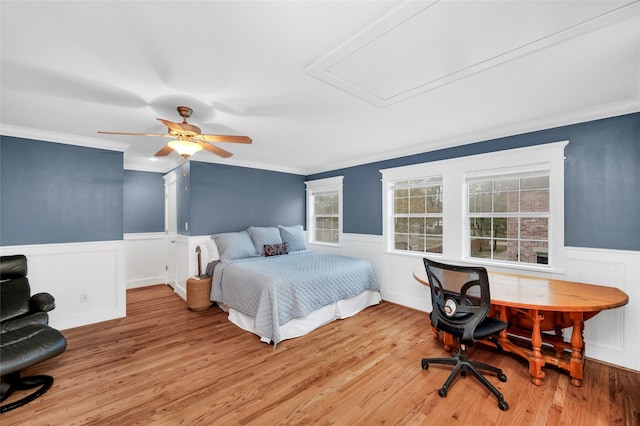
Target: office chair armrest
(42, 302)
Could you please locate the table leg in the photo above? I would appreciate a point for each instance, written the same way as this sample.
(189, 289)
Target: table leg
(447, 339)
(503, 317)
(536, 362)
(577, 345)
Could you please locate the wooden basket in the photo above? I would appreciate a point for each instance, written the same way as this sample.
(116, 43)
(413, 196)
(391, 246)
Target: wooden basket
(198, 293)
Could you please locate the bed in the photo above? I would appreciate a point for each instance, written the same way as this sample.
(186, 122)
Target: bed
(272, 286)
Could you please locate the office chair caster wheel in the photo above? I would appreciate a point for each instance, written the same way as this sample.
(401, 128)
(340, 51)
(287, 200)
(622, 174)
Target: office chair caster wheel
(442, 393)
(502, 377)
(425, 365)
(503, 405)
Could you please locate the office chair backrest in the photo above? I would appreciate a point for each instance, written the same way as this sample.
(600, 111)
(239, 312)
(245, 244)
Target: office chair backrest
(460, 297)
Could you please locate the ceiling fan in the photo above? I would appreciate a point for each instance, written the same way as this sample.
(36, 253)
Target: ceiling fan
(189, 138)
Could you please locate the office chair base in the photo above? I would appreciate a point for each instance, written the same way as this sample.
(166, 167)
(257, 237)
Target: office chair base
(13, 382)
(462, 366)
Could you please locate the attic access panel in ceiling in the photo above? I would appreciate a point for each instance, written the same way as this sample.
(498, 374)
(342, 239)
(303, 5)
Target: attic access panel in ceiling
(423, 45)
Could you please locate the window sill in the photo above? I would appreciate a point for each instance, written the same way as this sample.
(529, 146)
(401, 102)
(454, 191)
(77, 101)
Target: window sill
(319, 243)
(545, 269)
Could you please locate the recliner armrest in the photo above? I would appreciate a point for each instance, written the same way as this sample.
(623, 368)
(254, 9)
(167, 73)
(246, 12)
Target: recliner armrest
(41, 302)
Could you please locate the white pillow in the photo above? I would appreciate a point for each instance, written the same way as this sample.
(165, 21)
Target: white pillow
(212, 249)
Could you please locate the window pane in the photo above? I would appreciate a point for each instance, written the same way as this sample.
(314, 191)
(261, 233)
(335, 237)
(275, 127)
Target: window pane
(433, 244)
(416, 225)
(401, 224)
(434, 226)
(434, 204)
(500, 202)
(505, 185)
(401, 204)
(417, 200)
(512, 227)
(534, 228)
(480, 202)
(534, 200)
(480, 227)
(500, 227)
(416, 243)
(401, 242)
(534, 252)
(401, 192)
(534, 182)
(480, 247)
(484, 186)
(500, 250)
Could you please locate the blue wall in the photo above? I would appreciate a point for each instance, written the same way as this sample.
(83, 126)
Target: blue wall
(225, 198)
(602, 181)
(143, 202)
(56, 193)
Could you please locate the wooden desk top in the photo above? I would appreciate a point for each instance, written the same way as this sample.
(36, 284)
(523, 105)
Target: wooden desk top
(522, 291)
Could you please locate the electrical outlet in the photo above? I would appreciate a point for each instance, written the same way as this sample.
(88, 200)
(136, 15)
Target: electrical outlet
(84, 297)
(186, 226)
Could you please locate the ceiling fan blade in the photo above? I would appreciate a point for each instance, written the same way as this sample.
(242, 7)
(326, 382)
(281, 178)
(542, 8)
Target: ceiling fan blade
(218, 151)
(166, 150)
(171, 125)
(164, 135)
(226, 138)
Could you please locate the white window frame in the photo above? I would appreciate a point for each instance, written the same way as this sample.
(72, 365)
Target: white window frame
(426, 181)
(506, 173)
(454, 173)
(319, 186)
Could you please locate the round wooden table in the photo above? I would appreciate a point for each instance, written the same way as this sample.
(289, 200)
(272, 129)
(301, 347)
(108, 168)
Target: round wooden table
(531, 305)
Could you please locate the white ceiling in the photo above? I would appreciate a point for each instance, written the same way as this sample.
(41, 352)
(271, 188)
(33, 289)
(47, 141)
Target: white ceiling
(317, 85)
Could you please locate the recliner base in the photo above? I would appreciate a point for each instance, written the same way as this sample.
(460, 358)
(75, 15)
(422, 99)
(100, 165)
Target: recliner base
(13, 382)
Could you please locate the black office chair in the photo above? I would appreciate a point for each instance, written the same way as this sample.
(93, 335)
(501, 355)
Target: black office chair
(461, 299)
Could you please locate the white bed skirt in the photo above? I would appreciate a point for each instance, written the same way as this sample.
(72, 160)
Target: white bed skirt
(300, 326)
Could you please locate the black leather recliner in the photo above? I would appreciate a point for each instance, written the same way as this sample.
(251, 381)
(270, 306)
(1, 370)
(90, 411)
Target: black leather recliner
(25, 336)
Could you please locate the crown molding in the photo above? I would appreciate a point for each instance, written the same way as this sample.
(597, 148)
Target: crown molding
(64, 138)
(613, 109)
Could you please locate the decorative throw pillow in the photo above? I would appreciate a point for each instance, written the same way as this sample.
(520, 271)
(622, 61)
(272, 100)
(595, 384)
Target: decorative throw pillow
(294, 236)
(275, 249)
(234, 245)
(264, 236)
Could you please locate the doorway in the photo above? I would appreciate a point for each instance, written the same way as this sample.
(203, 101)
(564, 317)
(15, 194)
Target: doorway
(170, 227)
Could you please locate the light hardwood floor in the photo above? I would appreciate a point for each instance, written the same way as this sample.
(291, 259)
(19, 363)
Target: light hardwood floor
(166, 365)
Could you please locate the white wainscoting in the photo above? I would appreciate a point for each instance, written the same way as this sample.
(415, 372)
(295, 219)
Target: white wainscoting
(611, 336)
(145, 258)
(86, 279)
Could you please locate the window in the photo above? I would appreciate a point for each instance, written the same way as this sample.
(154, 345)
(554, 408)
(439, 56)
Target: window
(476, 210)
(417, 215)
(324, 210)
(508, 217)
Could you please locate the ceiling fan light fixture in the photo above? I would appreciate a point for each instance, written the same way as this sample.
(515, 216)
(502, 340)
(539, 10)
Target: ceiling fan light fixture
(185, 148)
